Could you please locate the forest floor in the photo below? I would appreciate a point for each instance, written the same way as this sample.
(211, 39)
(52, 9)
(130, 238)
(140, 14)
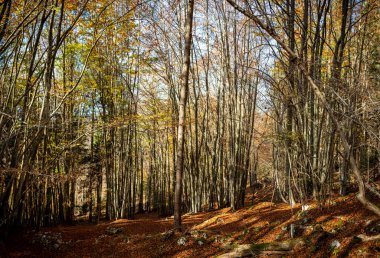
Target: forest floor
(323, 232)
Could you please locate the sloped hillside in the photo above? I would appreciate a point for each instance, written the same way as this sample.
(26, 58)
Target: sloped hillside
(341, 228)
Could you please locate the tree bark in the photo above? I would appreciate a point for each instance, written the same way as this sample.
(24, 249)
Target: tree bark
(184, 80)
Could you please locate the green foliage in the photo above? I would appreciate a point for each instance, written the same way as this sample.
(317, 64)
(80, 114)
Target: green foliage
(340, 224)
(335, 251)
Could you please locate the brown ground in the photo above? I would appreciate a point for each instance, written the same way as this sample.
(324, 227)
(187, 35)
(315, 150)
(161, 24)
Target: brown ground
(263, 222)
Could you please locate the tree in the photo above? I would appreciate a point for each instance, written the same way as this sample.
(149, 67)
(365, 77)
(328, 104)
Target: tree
(184, 80)
(321, 96)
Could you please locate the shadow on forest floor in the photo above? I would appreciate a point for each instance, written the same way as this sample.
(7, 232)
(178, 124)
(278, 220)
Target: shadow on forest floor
(206, 234)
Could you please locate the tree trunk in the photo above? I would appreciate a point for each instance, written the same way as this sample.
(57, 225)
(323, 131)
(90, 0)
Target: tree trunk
(184, 80)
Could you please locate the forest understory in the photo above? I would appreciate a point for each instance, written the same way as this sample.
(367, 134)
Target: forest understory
(342, 228)
(144, 128)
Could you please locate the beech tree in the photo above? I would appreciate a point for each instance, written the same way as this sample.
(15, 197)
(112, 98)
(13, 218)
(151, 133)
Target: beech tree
(110, 108)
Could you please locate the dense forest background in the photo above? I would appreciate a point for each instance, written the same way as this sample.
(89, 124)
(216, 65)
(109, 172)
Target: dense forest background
(285, 93)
